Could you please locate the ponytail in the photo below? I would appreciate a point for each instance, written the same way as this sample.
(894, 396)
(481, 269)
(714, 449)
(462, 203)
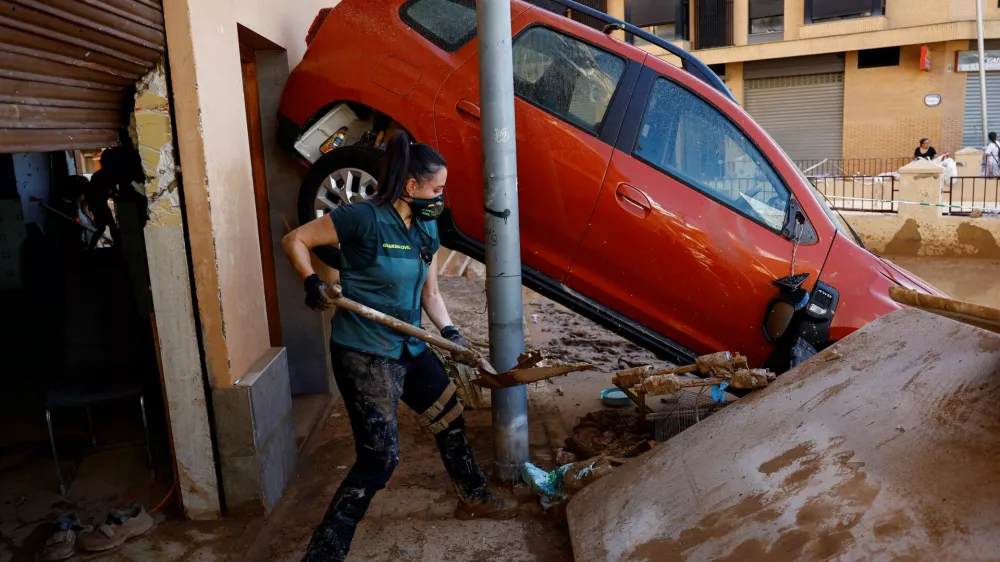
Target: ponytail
(405, 159)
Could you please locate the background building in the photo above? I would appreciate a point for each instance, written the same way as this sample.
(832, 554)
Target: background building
(840, 79)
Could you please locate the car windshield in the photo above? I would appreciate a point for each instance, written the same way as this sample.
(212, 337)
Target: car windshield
(836, 218)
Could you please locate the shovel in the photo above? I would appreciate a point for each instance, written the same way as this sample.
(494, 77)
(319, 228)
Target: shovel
(525, 372)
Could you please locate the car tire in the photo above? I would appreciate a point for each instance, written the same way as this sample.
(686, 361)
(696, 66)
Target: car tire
(360, 164)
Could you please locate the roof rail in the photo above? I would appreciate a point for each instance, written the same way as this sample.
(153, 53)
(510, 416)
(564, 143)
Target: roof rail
(689, 62)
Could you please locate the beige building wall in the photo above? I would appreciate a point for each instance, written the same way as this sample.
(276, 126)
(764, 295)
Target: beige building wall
(884, 111)
(202, 36)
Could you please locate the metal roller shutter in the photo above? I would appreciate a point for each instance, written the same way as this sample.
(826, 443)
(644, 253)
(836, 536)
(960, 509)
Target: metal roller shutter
(972, 134)
(804, 114)
(67, 68)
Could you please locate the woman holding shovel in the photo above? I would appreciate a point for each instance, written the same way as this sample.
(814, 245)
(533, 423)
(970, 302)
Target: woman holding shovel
(387, 248)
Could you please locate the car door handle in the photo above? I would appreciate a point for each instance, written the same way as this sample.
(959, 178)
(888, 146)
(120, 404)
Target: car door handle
(633, 200)
(468, 108)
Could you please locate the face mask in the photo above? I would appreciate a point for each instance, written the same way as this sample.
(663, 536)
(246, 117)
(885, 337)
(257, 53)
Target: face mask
(427, 209)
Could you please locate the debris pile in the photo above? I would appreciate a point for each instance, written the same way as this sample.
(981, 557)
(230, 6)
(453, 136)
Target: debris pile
(557, 486)
(615, 433)
(722, 369)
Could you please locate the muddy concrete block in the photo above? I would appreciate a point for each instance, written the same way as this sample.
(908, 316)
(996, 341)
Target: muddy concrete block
(256, 438)
(881, 447)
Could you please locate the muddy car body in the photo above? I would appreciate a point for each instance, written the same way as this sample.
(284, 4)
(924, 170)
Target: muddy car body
(649, 200)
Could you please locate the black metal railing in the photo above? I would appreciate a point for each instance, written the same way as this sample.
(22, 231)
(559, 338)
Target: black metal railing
(851, 166)
(867, 194)
(970, 195)
(714, 19)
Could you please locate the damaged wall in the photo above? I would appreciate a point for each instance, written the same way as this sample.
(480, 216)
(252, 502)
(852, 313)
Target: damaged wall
(923, 230)
(155, 140)
(170, 282)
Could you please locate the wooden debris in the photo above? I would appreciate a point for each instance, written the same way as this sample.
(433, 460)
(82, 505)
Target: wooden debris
(715, 369)
(973, 314)
(657, 385)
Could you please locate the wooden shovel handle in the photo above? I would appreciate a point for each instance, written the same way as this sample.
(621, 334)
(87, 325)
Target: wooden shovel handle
(407, 328)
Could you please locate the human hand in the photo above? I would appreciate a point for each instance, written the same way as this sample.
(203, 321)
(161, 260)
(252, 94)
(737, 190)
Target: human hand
(471, 357)
(319, 294)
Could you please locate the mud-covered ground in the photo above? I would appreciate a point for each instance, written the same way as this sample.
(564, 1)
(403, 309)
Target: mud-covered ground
(412, 519)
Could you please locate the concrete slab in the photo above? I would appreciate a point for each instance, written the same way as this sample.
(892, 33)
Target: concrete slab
(883, 447)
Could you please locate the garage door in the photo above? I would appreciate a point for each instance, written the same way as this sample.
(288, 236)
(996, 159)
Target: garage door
(972, 132)
(67, 68)
(804, 114)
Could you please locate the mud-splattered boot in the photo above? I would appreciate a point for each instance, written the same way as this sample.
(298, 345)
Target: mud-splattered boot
(490, 504)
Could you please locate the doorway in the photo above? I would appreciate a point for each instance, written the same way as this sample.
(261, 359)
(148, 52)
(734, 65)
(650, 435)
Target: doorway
(251, 97)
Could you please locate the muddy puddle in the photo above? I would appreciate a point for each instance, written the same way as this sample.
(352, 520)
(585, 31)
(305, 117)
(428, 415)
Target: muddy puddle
(972, 280)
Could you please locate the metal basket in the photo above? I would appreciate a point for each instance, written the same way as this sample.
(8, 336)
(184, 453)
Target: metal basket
(684, 409)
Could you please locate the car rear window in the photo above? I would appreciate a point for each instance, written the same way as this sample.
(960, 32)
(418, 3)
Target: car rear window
(449, 24)
(565, 76)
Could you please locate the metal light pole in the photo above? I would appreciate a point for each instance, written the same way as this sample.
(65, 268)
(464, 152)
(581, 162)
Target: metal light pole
(982, 69)
(503, 238)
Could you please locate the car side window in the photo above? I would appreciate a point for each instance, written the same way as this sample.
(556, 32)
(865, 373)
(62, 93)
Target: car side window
(565, 76)
(684, 136)
(449, 24)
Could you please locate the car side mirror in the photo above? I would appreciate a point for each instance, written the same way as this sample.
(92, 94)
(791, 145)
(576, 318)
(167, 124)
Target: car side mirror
(781, 311)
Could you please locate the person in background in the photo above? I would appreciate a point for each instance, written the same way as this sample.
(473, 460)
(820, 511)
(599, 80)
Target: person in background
(925, 151)
(991, 157)
(121, 177)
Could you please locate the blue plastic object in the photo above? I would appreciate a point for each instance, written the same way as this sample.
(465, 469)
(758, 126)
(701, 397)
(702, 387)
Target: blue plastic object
(614, 397)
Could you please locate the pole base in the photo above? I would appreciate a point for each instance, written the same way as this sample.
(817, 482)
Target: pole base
(507, 472)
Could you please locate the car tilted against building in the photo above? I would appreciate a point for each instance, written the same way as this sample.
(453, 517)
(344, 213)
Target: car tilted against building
(650, 201)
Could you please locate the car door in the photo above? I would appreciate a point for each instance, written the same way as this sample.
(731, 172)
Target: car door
(686, 237)
(572, 89)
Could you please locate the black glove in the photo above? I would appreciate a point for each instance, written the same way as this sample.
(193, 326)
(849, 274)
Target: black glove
(320, 295)
(472, 358)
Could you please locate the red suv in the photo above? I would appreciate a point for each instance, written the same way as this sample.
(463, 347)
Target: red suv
(650, 201)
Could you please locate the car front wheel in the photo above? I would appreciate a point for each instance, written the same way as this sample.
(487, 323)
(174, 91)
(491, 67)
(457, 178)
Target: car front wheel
(343, 176)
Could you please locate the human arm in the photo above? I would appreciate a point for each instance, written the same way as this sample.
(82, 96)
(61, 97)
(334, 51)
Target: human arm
(433, 304)
(431, 299)
(297, 245)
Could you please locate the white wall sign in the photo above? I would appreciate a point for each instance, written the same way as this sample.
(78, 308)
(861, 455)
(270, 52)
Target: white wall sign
(968, 61)
(932, 100)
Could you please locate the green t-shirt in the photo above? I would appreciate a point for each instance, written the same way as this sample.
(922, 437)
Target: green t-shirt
(384, 266)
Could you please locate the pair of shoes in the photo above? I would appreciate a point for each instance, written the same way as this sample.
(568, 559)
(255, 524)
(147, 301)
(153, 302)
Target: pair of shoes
(491, 504)
(120, 526)
(62, 544)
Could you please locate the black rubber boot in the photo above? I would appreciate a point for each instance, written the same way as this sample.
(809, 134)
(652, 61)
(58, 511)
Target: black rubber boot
(332, 538)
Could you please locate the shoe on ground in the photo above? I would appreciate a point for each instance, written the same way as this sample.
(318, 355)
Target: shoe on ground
(62, 544)
(120, 526)
(492, 505)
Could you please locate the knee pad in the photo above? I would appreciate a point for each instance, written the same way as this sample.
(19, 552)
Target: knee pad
(435, 419)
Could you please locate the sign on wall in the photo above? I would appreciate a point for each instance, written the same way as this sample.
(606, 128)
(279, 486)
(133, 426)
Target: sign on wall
(968, 61)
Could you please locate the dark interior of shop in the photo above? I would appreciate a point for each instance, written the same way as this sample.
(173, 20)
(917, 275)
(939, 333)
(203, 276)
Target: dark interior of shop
(81, 410)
